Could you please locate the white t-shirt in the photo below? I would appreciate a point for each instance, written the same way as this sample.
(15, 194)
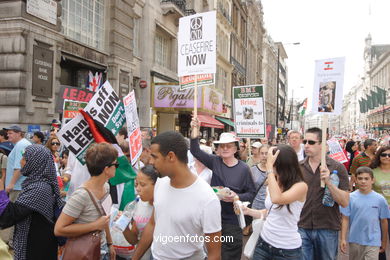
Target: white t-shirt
(79, 172)
(206, 174)
(300, 154)
(183, 215)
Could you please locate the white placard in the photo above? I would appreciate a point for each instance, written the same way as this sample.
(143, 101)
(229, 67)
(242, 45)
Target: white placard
(133, 128)
(328, 86)
(43, 9)
(197, 44)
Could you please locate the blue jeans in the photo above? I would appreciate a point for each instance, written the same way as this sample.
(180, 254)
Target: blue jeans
(265, 251)
(319, 244)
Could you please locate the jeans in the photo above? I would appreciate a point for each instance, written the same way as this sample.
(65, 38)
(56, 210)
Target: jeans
(319, 244)
(265, 251)
(231, 249)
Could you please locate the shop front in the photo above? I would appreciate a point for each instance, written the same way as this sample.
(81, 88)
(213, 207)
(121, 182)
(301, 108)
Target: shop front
(174, 108)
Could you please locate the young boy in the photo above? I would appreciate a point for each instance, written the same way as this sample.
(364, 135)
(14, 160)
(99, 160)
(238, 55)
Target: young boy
(366, 216)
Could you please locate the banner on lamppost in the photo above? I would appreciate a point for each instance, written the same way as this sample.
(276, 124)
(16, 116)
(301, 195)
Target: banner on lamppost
(249, 116)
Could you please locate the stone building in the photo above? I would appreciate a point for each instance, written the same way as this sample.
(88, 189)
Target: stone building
(46, 44)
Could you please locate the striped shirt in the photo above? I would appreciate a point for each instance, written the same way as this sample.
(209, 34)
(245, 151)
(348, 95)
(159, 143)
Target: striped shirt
(361, 160)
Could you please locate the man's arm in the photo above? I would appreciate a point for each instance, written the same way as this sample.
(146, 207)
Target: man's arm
(340, 196)
(14, 179)
(384, 226)
(344, 229)
(146, 239)
(213, 245)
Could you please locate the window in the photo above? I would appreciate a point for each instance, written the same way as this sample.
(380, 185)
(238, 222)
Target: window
(83, 20)
(136, 45)
(162, 49)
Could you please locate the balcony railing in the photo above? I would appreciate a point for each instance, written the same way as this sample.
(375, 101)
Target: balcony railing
(181, 4)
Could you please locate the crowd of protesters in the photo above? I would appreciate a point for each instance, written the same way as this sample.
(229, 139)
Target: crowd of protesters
(196, 188)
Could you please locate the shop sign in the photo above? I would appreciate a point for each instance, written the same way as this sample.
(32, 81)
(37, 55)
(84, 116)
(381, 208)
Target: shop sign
(43, 9)
(42, 72)
(212, 100)
(171, 96)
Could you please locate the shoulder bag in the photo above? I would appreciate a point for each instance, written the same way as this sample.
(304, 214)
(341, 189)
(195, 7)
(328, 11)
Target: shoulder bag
(87, 246)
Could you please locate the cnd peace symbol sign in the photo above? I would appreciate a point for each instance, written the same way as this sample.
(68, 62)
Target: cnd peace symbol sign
(196, 23)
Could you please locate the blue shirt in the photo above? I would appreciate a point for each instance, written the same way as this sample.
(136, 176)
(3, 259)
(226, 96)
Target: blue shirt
(14, 163)
(364, 212)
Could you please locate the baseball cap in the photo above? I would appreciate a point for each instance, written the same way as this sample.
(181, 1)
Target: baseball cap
(256, 144)
(15, 128)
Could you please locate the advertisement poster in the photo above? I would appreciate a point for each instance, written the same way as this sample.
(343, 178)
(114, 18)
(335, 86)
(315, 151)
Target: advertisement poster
(197, 44)
(133, 127)
(106, 108)
(328, 86)
(249, 116)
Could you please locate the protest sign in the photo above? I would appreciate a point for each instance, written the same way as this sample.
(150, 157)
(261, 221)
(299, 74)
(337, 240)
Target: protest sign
(200, 80)
(197, 44)
(249, 116)
(328, 86)
(71, 110)
(336, 152)
(106, 108)
(72, 93)
(133, 128)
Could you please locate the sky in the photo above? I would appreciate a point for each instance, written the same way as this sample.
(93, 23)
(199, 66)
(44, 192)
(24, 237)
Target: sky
(325, 29)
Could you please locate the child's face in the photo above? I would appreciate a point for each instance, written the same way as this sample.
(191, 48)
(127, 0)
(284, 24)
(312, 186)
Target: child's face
(364, 182)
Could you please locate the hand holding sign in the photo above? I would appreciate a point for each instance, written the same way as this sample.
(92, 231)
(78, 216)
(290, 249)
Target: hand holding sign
(195, 127)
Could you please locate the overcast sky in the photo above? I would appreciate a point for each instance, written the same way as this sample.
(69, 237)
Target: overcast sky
(325, 29)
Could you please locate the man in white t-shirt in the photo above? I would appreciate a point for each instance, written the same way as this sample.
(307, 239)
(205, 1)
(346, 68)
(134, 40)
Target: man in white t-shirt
(187, 213)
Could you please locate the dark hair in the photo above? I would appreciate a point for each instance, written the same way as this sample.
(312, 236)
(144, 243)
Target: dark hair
(151, 172)
(315, 130)
(172, 141)
(65, 152)
(376, 162)
(364, 169)
(40, 136)
(148, 131)
(287, 168)
(146, 143)
(368, 142)
(4, 134)
(98, 156)
(348, 148)
(123, 131)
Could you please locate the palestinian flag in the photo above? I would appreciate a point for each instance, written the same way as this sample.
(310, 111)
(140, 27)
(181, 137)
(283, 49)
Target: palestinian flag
(302, 107)
(122, 185)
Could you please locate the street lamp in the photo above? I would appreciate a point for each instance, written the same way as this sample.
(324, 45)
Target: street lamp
(277, 83)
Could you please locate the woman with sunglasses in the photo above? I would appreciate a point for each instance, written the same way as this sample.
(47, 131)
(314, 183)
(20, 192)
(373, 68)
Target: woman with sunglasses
(80, 216)
(381, 168)
(286, 195)
(33, 211)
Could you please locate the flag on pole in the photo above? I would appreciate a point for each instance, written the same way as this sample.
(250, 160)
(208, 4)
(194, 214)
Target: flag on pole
(302, 107)
(375, 98)
(94, 81)
(381, 96)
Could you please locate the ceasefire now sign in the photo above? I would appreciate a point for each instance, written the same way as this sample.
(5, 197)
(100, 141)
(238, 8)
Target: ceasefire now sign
(197, 44)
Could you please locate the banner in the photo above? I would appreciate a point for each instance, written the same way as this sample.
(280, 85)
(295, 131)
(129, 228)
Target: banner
(197, 44)
(336, 152)
(328, 86)
(249, 116)
(71, 110)
(72, 93)
(201, 80)
(133, 127)
(106, 108)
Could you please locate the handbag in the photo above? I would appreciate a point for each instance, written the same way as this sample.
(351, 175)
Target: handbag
(257, 226)
(84, 247)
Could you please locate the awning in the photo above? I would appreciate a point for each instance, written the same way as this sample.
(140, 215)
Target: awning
(225, 121)
(208, 121)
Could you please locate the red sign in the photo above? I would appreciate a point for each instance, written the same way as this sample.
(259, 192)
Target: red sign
(74, 94)
(143, 84)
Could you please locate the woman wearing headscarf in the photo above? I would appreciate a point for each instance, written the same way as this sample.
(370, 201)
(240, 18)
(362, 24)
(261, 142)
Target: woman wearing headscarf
(33, 211)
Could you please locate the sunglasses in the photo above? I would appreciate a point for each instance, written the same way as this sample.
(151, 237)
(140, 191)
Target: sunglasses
(385, 155)
(113, 164)
(311, 142)
(54, 143)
